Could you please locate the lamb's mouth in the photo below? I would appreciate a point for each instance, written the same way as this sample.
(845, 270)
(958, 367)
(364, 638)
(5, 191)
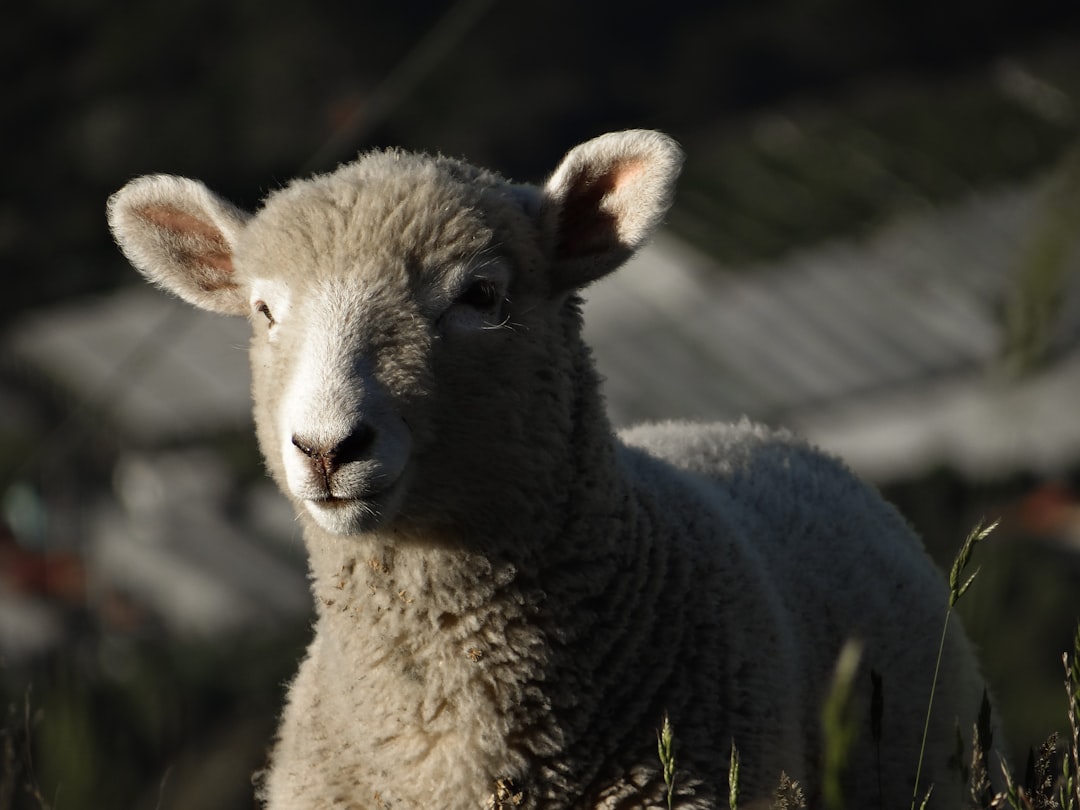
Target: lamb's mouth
(352, 514)
(334, 502)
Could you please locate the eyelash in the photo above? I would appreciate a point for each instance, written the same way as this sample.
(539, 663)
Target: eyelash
(261, 306)
(481, 294)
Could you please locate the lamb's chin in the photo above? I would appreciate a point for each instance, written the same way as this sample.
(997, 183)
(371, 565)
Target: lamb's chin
(349, 516)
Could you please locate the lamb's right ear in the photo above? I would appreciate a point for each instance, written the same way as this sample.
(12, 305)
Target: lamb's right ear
(604, 201)
(181, 236)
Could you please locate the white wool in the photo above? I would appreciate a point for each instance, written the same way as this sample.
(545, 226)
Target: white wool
(510, 597)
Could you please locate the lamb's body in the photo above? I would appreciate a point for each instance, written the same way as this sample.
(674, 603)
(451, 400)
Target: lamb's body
(708, 609)
(510, 599)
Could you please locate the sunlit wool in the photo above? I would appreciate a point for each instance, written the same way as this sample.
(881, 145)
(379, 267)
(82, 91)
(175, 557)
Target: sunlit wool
(510, 597)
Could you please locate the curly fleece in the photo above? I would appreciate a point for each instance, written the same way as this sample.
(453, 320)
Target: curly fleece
(510, 596)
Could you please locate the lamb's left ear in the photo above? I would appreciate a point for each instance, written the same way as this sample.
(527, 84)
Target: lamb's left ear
(181, 236)
(604, 201)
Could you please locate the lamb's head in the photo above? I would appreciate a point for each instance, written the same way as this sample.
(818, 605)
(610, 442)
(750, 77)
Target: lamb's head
(414, 317)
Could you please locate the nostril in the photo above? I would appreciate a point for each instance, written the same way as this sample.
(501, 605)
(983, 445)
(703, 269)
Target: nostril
(305, 447)
(353, 447)
(356, 445)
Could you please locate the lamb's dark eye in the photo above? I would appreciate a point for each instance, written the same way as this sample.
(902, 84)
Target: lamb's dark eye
(481, 294)
(261, 306)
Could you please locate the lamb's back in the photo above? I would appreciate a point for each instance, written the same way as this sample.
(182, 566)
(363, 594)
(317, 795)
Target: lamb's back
(806, 513)
(843, 563)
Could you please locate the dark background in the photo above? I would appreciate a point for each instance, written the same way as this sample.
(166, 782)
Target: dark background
(245, 95)
(899, 105)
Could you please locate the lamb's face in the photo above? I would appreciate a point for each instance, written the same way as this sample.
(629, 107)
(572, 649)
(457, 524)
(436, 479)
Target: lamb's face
(382, 321)
(413, 343)
(331, 393)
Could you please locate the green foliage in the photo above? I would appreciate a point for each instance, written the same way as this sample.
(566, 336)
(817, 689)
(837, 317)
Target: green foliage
(1069, 793)
(1042, 778)
(665, 743)
(840, 724)
(1042, 277)
(733, 779)
(957, 584)
(17, 773)
(143, 725)
(789, 795)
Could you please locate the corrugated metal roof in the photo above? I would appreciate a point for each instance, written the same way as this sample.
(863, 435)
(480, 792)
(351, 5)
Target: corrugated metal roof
(157, 367)
(828, 340)
(981, 425)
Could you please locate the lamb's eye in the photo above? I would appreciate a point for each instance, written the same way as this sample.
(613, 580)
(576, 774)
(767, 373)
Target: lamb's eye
(480, 303)
(481, 294)
(261, 306)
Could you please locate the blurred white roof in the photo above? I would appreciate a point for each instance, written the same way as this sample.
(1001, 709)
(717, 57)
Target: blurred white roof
(155, 367)
(885, 350)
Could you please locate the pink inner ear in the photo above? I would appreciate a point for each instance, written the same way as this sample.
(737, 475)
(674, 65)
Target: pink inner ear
(587, 225)
(626, 171)
(197, 244)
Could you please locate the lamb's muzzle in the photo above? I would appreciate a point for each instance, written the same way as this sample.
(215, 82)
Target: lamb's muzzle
(327, 458)
(350, 482)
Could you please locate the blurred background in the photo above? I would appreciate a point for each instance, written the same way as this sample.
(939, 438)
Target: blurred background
(874, 243)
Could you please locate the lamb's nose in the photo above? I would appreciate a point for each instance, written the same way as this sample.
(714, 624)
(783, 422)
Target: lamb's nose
(331, 455)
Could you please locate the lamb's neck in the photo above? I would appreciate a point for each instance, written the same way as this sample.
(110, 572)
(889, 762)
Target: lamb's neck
(449, 571)
(433, 577)
(458, 568)
(491, 628)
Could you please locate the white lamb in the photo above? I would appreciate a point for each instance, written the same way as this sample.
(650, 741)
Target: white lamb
(511, 598)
